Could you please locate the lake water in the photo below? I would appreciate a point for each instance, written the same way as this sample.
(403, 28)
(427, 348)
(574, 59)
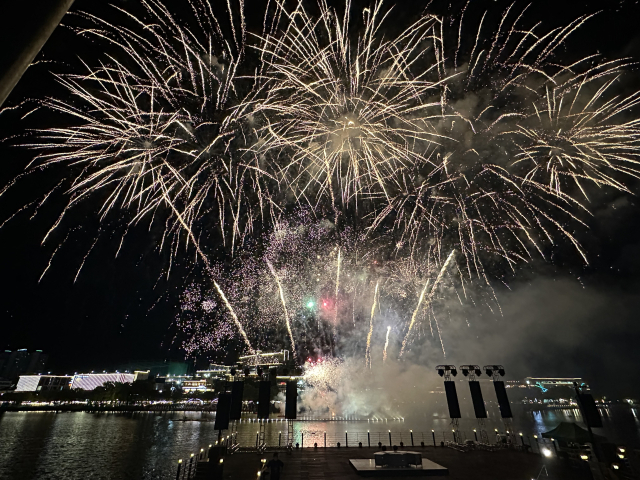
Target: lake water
(68, 446)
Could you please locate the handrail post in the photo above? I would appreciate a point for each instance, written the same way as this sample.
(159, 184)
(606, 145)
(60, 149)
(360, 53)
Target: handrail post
(179, 467)
(190, 466)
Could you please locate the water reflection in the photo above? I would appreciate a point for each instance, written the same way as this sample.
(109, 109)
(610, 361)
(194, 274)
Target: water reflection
(146, 446)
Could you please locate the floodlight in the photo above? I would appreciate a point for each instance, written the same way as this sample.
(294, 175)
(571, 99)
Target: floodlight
(489, 372)
(478, 372)
(465, 372)
(454, 372)
(441, 372)
(501, 372)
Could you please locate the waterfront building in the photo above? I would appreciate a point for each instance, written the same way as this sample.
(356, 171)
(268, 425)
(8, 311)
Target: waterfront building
(260, 359)
(172, 382)
(37, 383)
(85, 381)
(195, 385)
(90, 381)
(551, 382)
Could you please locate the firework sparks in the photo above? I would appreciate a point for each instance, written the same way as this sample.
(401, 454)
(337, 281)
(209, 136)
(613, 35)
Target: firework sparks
(487, 146)
(284, 308)
(373, 312)
(429, 298)
(386, 345)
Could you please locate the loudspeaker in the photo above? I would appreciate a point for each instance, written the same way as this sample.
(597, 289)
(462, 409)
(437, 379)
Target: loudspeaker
(589, 410)
(478, 402)
(222, 413)
(237, 391)
(503, 400)
(264, 395)
(291, 406)
(452, 399)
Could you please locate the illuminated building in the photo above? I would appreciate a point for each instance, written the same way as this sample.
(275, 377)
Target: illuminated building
(85, 381)
(90, 381)
(546, 391)
(195, 385)
(37, 383)
(219, 371)
(550, 382)
(265, 359)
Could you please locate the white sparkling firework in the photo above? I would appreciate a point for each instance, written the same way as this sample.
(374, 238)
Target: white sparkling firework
(468, 138)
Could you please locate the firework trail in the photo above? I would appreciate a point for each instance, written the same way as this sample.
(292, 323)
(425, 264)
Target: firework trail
(386, 345)
(415, 314)
(373, 311)
(335, 315)
(284, 308)
(429, 298)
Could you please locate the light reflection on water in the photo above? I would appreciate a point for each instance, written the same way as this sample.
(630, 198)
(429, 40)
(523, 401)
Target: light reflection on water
(46, 445)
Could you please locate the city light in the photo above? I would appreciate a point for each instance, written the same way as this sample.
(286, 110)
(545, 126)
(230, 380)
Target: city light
(546, 452)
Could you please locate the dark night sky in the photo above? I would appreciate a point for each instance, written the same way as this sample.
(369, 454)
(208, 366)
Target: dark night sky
(105, 318)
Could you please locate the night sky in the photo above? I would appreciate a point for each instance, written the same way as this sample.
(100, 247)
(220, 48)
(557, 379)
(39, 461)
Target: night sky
(559, 319)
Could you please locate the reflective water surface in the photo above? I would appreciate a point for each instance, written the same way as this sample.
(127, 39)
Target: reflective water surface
(48, 445)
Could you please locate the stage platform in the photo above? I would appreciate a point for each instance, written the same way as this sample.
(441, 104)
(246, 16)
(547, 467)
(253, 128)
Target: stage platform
(367, 468)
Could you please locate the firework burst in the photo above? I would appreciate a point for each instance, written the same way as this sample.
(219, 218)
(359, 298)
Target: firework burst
(421, 161)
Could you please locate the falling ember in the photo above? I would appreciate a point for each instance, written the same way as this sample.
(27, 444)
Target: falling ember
(337, 284)
(284, 307)
(386, 345)
(429, 298)
(373, 311)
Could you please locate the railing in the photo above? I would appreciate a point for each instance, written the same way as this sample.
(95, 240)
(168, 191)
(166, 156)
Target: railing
(460, 440)
(188, 469)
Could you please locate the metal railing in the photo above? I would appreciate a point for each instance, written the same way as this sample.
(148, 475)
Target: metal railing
(460, 440)
(189, 468)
